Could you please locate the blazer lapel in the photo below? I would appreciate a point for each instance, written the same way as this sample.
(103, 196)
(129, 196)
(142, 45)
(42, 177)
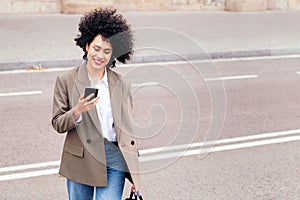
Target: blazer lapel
(81, 83)
(115, 91)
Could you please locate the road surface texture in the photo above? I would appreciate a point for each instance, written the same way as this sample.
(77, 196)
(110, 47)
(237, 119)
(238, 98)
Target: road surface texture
(249, 120)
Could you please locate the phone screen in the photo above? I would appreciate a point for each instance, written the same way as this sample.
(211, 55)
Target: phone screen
(90, 90)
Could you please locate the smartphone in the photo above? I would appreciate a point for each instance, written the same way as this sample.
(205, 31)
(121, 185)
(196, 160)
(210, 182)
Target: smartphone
(90, 90)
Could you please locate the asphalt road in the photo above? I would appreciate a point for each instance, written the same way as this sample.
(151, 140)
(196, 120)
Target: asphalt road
(252, 116)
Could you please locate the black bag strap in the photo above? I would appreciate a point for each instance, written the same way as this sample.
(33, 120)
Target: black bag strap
(136, 195)
(140, 197)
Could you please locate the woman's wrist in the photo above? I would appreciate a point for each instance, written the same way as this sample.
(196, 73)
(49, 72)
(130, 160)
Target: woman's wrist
(76, 114)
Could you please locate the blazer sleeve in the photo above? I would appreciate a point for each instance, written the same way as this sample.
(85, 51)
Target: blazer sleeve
(130, 96)
(62, 115)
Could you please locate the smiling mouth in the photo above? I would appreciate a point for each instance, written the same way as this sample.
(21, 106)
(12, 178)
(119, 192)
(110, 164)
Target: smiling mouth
(98, 62)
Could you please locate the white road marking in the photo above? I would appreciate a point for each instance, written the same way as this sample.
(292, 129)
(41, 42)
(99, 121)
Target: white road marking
(298, 73)
(283, 136)
(218, 142)
(134, 85)
(160, 63)
(28, 174)
(210, 60)
(26, 71)
(257, 58)
(145, 84)
(218, 148)
(226, 78)
(20, 93)
(231, 78)
(30, 166)
(135, 65)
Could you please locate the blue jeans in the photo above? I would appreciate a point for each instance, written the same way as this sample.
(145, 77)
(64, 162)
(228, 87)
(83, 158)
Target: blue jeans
(116, 169)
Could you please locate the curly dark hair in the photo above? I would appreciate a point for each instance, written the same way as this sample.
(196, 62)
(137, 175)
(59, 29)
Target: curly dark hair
(112, 27)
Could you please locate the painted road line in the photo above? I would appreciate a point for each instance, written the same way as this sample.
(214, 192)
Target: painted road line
(231, 78)
(218, 148)
(28, 174)
(168, 155)
(209, 61)
(169, 148)
(161, 63)
(257, 58)
(145, 84)
(138, 85)
(298, 73)
(29, 166)
(26, 71)
(207, 80)
(31, 174)
(20, 93)
(218, 142)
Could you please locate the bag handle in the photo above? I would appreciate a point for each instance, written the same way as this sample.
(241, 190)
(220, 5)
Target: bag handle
(136, 195)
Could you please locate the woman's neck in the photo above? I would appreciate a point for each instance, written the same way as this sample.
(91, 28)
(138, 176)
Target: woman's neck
(96, 75)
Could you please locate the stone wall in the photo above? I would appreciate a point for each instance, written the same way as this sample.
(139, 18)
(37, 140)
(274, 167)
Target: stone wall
(74, 6)
(29, 6)
(79, 6)
(261, 5)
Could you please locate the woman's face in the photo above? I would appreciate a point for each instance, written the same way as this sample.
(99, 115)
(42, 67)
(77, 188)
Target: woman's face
(98, 53)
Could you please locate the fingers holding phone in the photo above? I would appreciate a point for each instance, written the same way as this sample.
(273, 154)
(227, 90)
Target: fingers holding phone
(88, 91)
(86, 102)
(90, 98)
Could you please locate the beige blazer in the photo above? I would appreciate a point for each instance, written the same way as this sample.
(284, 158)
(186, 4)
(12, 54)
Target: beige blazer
(83, 158)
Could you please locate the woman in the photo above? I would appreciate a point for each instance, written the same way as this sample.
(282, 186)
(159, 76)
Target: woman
(100, 150)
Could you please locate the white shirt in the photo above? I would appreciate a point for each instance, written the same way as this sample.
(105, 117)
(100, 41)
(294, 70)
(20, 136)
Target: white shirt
(104, 110)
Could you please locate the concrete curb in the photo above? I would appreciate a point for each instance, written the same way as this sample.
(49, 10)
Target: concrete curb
(157, 58)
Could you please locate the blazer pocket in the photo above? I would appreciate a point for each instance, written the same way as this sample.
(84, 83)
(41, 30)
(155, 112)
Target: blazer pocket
(74, 150)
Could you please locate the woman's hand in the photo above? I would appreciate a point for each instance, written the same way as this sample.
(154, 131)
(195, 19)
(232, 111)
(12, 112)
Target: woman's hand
(84, 105)
(133, 190)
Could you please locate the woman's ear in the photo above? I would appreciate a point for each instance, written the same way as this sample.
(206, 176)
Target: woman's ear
(87, 47)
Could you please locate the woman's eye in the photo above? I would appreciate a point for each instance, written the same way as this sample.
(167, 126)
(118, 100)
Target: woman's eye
(107, 52)
(96, 49)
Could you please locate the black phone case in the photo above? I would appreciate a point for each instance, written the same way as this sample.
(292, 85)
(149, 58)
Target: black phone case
(90, 90)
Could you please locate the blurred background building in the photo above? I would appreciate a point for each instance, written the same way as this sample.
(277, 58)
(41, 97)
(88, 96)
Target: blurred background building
(80, 6)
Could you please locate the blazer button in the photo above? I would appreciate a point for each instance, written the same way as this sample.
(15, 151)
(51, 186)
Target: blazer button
(88, 141)
(132, 142)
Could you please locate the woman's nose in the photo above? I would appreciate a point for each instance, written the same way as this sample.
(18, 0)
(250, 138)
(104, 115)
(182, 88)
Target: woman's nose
(100, 54)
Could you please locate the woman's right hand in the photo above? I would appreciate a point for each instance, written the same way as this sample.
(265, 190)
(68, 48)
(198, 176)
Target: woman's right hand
(84, 105)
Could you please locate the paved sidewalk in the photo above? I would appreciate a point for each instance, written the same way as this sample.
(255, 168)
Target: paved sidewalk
(28, 40)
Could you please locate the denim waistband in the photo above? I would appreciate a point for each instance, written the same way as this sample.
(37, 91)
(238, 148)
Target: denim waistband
(114, 157)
